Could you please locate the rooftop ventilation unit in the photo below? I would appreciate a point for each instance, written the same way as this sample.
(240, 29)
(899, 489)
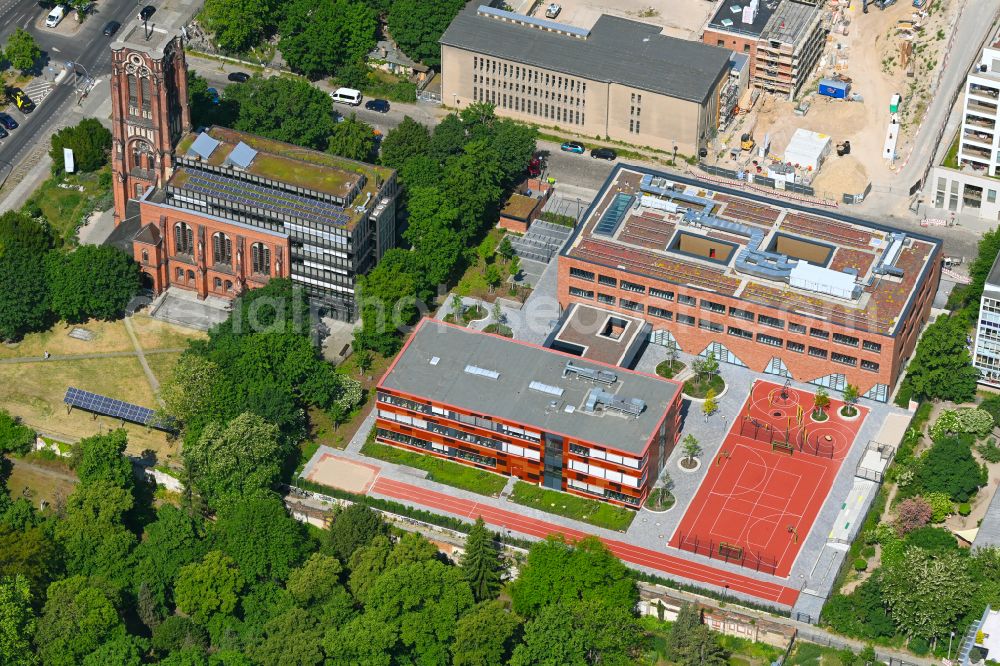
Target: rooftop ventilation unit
(545, 388)
(601, 376)
(482, 372)
(630, 406)
(886, 266)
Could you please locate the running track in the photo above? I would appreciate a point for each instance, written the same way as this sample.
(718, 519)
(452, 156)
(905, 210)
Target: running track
(652, 559)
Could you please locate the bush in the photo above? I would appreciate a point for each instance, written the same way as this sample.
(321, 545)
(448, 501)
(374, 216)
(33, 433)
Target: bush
(931, 538)
(990, 451)
(90, 142)
(14, 437)
(941, 506)
(860, 564)
(903, 396)
(668, 368)
(949, 468)
(964, 509)
(868, 551)
(919, 645)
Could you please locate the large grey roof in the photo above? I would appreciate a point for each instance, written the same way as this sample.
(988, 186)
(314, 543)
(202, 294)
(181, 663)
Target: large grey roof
(508, 396)
(617, 50)
(989, 528)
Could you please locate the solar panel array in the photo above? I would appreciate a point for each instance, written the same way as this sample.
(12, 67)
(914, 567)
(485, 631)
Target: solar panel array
(259, 196)
(101, 404)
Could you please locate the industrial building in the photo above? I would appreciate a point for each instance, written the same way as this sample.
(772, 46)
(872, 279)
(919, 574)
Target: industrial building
(220, 211)
(779, 288)
(783, 39)
(540, 415)
(620, 79)
(970, 182)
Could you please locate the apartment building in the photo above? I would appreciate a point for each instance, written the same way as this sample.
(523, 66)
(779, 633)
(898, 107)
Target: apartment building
(986, 353)
(783, 39)
(968, 180)
(540, 415)
(620, 79)
(221, 211)
(781, 289)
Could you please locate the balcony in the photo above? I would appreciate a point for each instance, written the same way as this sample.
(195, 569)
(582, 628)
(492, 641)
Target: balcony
(977, 140)
(981, 122)
(983, 91)
(974, 153)
(984, 108)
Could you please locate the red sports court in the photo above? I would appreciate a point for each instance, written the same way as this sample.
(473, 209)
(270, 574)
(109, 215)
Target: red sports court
(761, 494)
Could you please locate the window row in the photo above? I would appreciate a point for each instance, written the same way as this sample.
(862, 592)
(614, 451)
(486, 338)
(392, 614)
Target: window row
(597, 490)
(418, 443)
(477, 421)
(534, 107)
(530, 91)
(581, 450)
(222, 249)
(602, 473)
(452, 433)
(520, 73)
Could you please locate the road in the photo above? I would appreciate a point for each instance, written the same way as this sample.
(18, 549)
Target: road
(85, 45)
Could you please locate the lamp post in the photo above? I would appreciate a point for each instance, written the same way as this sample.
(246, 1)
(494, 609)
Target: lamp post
(950, 637)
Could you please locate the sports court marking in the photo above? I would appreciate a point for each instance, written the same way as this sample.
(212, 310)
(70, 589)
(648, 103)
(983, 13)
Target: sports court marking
(337, 472)
(757, 503)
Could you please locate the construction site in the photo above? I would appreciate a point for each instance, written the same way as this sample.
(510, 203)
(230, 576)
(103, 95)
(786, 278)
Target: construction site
(864, 98)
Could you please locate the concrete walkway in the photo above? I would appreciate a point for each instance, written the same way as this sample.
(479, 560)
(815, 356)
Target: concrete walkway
(154, 383)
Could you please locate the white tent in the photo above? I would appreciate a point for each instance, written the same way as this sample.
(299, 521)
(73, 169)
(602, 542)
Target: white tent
(807, 149)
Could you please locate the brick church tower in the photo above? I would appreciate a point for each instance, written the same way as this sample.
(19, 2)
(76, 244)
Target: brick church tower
(149, 114)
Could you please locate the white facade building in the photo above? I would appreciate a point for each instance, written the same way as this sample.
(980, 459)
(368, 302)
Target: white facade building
(986, 353)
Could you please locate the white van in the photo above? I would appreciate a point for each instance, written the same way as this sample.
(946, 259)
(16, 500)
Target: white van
(346, 96)
(55, 16)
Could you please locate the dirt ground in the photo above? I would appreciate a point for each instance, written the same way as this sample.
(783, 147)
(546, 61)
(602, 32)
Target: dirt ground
(344, 474)
(869, 54)
(683, 19)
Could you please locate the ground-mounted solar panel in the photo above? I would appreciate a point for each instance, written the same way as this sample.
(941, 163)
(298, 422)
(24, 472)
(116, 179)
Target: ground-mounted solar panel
(105, 406)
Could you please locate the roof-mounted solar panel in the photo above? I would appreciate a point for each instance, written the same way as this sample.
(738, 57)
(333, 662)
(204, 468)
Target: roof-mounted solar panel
(203, 146)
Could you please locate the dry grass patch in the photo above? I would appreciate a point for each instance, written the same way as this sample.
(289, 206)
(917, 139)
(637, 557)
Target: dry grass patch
(154, 334)
(109, 336)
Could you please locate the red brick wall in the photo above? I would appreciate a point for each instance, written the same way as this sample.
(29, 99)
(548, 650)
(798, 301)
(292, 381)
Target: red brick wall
(201, 263)
(734, 43)
(756, 355)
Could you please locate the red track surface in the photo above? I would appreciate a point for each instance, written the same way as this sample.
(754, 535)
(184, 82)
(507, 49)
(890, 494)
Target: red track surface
(670, 564)
(762, 500)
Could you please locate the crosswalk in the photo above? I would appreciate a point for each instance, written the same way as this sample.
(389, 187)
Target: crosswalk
(38, 89)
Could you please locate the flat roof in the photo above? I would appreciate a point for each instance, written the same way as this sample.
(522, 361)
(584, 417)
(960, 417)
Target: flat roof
(667, 228)
(435, 364)
(600, 335)
(989, 528)
(993, 279)
(166, 23)
(616, 50)
(790, 22)
(732, 10)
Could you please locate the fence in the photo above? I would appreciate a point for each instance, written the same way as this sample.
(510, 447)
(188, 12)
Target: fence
(720, 551)
(886, 454)
(858, 198)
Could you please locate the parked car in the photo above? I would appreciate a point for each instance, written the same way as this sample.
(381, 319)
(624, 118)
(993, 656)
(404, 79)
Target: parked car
(213, 95)
(55, 16)
(380, 105)
(238, 77)
(7, 121)
(552, 11)
(573, 147)
(535, 167)
(604, 154)
(146, 12)
(111, 27)
(21, 100)
(4, 133)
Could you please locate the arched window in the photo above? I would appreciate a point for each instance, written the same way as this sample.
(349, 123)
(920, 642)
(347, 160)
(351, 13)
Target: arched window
(222, 248)
(180, 273)
(190, 275)
(141, 155)
(145, 256)
(133, 91)
(229, 286)
(146, 95)
(183, 238)
(260, 259)
(218, 284)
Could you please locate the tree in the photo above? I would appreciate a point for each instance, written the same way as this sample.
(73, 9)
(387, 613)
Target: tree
(90, 142)
(315, 581)
(481, 563)
(195, 386)
(367, 563)
(431, 231)
(422, 601)
(580, 633)
(77, 618)
(704, 368)
(558, 572)
(122, 649)
(447, 140)
(484, 636)
(691, 447)
(979, 269)
(497, 313)
(294, 637)
(209, 587)
(235, 460)
(911, 514)
(941, 506)
(926, 592)
(353, 139)
(505, 249)
(93, 281)
(850, 395)
(493, 277)
(24, 296)
(948, 467)
(388, 303)
(364, 361)
(820, 402)
(208, 108)
(238, 24)
(941, 367)
(316, 39)
(94, 540)
(352, 528)
(417, 26)
(514, 267)
(14, 437)
(102, 458)
(709, 406)
(178, 633)
(22, 50)
(404, 141)
(285, 109)
(173, 540)
(27, 551)
(259, 534)
(17, 622)
(367, 639)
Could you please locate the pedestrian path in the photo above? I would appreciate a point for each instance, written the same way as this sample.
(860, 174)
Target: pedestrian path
(85, 357)
(38, 89)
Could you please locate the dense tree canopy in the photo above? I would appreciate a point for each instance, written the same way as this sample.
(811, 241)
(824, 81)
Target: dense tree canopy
(941, 367)
(316, 39)
(417, 26)
(948, 467)
(232, 461)
(92, 282)
(17, 622)
(90, 142)
(406, 140)
(286, 109)
(238, 24)
(353, 139)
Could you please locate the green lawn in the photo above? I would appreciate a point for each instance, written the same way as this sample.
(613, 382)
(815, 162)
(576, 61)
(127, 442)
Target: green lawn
(595, 512)
(698, 388)
(443, 471)
(951, 157)
(65, 207)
